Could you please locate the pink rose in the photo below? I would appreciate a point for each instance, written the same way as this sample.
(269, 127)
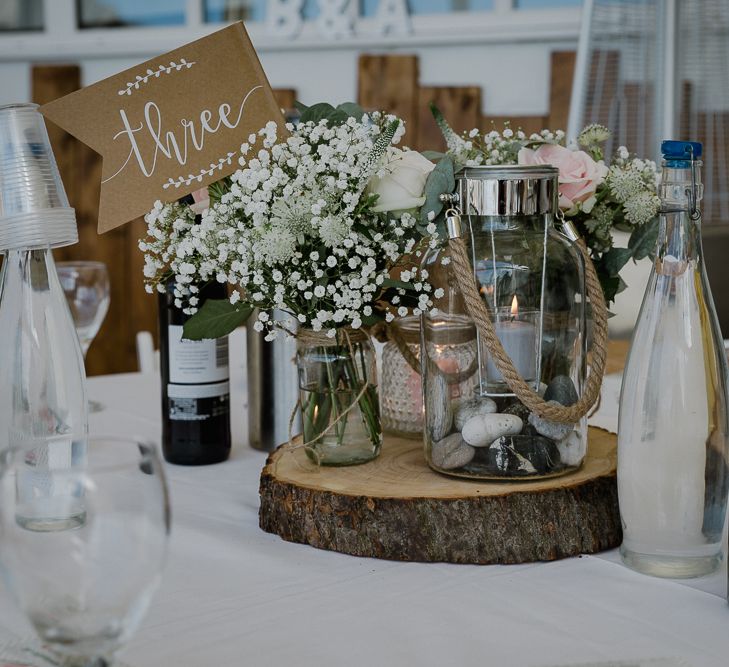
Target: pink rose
(579, 174)
(202, 201)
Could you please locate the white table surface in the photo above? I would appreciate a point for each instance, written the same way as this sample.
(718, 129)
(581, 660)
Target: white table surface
(233, 595)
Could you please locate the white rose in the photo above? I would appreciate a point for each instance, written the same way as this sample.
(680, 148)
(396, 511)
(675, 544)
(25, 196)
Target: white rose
(403, 184)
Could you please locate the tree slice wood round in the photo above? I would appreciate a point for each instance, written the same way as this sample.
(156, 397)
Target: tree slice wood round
(397, 508)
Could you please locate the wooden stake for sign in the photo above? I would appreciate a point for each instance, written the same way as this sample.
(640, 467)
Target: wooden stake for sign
(131, 308)
(396, 508)
(460, 105)
(390, 83)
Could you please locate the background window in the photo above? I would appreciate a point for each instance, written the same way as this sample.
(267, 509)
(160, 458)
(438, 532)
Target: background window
(21, 15)
(547, 4)
(222, 11)
(115, 13)
(421, 7)
(218, 11)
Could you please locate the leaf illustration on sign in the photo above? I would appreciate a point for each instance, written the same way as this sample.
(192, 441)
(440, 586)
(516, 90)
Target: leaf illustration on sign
(171, 125)
(172, 67)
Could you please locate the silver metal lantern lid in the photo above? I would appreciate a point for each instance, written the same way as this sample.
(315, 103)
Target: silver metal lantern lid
(508, 190)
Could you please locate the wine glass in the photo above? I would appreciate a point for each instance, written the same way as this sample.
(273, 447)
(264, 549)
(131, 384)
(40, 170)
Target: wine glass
(85, 575)
(86, 286)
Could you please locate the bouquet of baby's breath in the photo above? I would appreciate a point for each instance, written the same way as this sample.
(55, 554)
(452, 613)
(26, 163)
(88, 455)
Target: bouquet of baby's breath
(311, 226)
(310, 232)
(595, 197)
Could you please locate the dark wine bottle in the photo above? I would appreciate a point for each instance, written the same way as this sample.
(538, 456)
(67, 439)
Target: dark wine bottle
(195, 387)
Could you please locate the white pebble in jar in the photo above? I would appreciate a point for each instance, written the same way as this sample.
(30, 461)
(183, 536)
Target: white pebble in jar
(471, 407)
(482, 430)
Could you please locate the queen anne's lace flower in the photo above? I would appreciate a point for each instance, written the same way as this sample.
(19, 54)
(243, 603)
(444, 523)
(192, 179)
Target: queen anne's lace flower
(623, 183)
(641, 207)
(593, 134)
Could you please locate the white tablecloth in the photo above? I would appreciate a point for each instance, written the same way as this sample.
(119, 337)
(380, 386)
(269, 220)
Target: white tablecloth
(233, 595)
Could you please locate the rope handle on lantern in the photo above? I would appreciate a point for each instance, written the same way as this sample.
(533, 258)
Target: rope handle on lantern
(478, 311)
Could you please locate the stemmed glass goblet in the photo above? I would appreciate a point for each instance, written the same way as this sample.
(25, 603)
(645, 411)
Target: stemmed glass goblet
(84, 570)
(86, 286)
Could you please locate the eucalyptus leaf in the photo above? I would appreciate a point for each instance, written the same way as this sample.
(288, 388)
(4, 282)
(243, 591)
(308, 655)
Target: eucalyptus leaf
(610, 287)
(352, 110)
(643, 240)
(615, 259)
(440, 181)
(433, 156)
(300, 107)
(398, 284)
(216, 318)
(317, 112)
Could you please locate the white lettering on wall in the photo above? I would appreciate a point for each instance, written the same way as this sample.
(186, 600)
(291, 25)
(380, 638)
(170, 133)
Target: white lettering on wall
(284, 17)
(336, 18)
(392, 18)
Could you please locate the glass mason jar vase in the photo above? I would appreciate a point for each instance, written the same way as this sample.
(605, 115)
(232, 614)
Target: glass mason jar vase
(532, 278)
(338, 393)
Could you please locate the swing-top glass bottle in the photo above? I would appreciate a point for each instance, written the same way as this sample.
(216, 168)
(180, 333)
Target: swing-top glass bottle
(43, 408)
(673, 443)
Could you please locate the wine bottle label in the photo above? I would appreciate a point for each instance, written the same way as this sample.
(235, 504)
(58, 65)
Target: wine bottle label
(197, 361)
(198, 391)
(198, 403)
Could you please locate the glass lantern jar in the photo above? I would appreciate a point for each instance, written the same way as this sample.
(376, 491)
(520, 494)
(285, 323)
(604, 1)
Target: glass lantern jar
(401, 392)
(453, 357)
(532, 278)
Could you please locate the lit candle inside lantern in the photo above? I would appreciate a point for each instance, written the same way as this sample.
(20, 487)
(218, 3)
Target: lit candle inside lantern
(519, 339)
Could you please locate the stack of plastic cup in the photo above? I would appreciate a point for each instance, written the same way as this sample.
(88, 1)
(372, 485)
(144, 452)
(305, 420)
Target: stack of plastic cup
(34, 210)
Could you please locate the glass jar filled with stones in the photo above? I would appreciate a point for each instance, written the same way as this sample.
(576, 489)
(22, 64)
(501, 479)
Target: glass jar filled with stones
(520, 283)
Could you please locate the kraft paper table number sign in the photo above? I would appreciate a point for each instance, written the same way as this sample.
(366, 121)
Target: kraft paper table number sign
(171, 125)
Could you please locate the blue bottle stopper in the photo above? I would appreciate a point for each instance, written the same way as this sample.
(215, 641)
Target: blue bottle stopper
(678, 154)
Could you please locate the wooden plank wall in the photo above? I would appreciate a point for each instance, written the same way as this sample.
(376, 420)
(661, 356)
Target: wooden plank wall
(562, 72)
(460, 105)
(391, 82)
(286, 98)
(131, 309)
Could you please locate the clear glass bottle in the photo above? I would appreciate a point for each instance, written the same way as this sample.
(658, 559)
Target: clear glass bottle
(43, 408)
(673, 443)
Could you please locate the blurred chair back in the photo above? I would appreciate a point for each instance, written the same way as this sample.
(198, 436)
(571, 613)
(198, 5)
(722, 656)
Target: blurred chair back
(716, 256)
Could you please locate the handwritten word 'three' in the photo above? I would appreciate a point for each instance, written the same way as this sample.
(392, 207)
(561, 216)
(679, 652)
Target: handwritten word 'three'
(170, 144)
